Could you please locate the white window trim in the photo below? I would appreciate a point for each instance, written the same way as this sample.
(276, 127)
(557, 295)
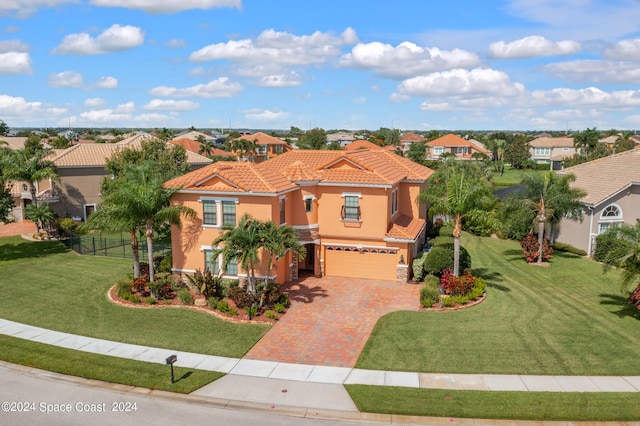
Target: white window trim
(394, 193)
(218, 201)
(351, 194)
(84, 209)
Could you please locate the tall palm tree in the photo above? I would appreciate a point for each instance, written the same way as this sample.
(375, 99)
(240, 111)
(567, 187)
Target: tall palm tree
(31, 167)
(551, 198)
(244, 148)
(461, 192)
(241, 243)
(278, 240)
(625, 256)
(206, 146)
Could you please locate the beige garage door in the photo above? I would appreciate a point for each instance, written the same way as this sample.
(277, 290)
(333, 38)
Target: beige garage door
(366, 264)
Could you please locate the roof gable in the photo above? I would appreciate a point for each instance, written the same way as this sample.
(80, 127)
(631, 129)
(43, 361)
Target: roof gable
(343, 164)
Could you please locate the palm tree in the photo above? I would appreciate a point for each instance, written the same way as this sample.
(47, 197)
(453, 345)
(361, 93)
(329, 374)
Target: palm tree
(40, 214)
(462, 192)
(551, 198)
(206, 146)
(31, 167)
(625, 256)
(244, 148)
(278, 240)
(241, 243)
(623, 142)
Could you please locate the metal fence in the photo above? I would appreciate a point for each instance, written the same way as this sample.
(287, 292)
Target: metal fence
(113, 246)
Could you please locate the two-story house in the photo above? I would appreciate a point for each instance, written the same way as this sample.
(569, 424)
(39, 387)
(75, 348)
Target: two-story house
(452, 144)
(355, 212)
(266, 147)
(552, 151)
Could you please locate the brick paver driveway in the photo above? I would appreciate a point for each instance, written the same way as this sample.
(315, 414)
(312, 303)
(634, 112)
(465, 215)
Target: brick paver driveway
(330, 319)
(25, 227)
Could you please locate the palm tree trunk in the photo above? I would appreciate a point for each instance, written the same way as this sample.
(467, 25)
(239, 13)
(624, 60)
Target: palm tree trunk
(457, 231)
(149, 234)
(136, 253)
(540, 239)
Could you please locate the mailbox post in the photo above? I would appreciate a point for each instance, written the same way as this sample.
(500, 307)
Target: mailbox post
(170, 361)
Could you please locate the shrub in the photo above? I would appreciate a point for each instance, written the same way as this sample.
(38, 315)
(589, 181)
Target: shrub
(269, 293)
(446, 230)
(568, 248)
(428, 295)
(605, 243)
(185, 296)
(418, 267)
(241, 297)
(165, 264)
(279, 308)
(530, 246)
(447, 302)
(126, 295)
(161, 288)
(284, 300)
(441, 258)
(213, 302)
(452, 286)
(205, 283)
(150, 301)
(134, 298)
(432, 281)
(226, 284)
(271, 315)
(123, 286)
(634, 299)
(139, 284)
(442, 240)
(252, 310)
(223, 306)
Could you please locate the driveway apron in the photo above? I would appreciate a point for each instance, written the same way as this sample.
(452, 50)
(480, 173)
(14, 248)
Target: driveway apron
(331, 318)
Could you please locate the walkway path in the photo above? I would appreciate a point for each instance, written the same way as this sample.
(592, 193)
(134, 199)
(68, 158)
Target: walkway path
(330, 319)
(26, 227)
(315, 386)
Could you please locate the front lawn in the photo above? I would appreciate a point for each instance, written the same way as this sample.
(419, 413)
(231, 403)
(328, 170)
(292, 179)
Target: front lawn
(566, 319)
(45, 285)
(511, 176)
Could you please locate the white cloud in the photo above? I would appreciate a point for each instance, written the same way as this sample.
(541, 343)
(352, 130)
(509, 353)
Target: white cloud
(532, 47)
(126, 108)
(265, 115)
(107, 82)
(438, 106)
(219, 88)
(175, 43)
(11, 29)
(115, 38)
(25, 8)
(479, 81)
(21, 110)
(171, 105)
(15, 63)
(13, 46)
(595, 71)
(70, 79)
(273, 47)
(104, 116)
(359, 100)
(290, 79)
(94, 102)
(628, 50)
(167, 6)
(406, 59)
(590, 96)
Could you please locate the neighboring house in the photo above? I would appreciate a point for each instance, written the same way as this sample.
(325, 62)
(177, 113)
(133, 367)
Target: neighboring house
(364, 144)
(342, 138)
(195, 146)
(452, 144)
(355, 212)
(194, 135)
(81, 170)
(407, 139)
(613, 196)
(267, 146)
(552, 151)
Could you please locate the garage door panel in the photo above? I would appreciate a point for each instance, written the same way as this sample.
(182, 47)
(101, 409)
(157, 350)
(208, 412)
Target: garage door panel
(355, 264)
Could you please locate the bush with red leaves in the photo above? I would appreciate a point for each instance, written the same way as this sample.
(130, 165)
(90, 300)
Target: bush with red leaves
(530, 246)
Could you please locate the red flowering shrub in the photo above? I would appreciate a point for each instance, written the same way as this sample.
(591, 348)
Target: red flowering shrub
(634, 299)
(453, 286)
(139, 284)
(530, 246)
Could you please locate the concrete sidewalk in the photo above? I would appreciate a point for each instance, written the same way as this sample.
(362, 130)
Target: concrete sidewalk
(310, 386)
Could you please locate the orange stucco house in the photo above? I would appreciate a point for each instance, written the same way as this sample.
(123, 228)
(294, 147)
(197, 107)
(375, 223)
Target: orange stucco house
(355, 212)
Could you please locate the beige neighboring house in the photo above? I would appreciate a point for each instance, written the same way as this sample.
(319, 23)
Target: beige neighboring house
(409, 138)
(552, 151)
(194, 135)
(452, 144)
(267, 146)
(341, 138)
(81, 170)
(613, 196)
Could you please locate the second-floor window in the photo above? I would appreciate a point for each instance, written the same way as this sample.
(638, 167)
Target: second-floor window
(209, 215)
(308, 205)
(351, 207)
(282, 210)
(394, 201)
(542, 151)
(228, 213)
(438, 150)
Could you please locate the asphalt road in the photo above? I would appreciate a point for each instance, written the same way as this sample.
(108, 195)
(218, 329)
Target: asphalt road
(50, 399)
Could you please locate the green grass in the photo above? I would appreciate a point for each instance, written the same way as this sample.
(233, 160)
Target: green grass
(43, 284)
(511, 177)
(567, 319)
(576, 406)
(102, 367)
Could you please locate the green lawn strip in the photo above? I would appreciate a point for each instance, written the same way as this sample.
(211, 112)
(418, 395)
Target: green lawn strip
(104, 368)
(47, 286)
(566, 319)
(568, 406)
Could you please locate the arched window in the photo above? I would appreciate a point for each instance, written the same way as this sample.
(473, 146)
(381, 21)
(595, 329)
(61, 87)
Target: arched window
(610, 216)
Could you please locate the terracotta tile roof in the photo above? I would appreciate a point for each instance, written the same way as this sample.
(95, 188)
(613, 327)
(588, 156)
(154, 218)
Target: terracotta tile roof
(92, 155)
(297, 171)
(411, 137)
(264, 139)
(224, 176)
(362, 144)
(561, 142)
(405, 228)
(451, 140)
(187, 144)
(606, 176)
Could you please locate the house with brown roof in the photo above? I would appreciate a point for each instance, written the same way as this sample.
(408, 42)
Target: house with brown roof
(613, 196)
(552, 151)
(409, 138)
(452, 144)
(196, 147)
(267, 146)
(81, 169)
(365, 144)
(355, 212)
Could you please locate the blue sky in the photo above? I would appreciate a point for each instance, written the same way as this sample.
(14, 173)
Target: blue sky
(350, 64)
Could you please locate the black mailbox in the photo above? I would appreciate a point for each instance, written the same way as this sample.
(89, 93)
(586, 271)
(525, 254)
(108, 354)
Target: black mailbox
(172, 359)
